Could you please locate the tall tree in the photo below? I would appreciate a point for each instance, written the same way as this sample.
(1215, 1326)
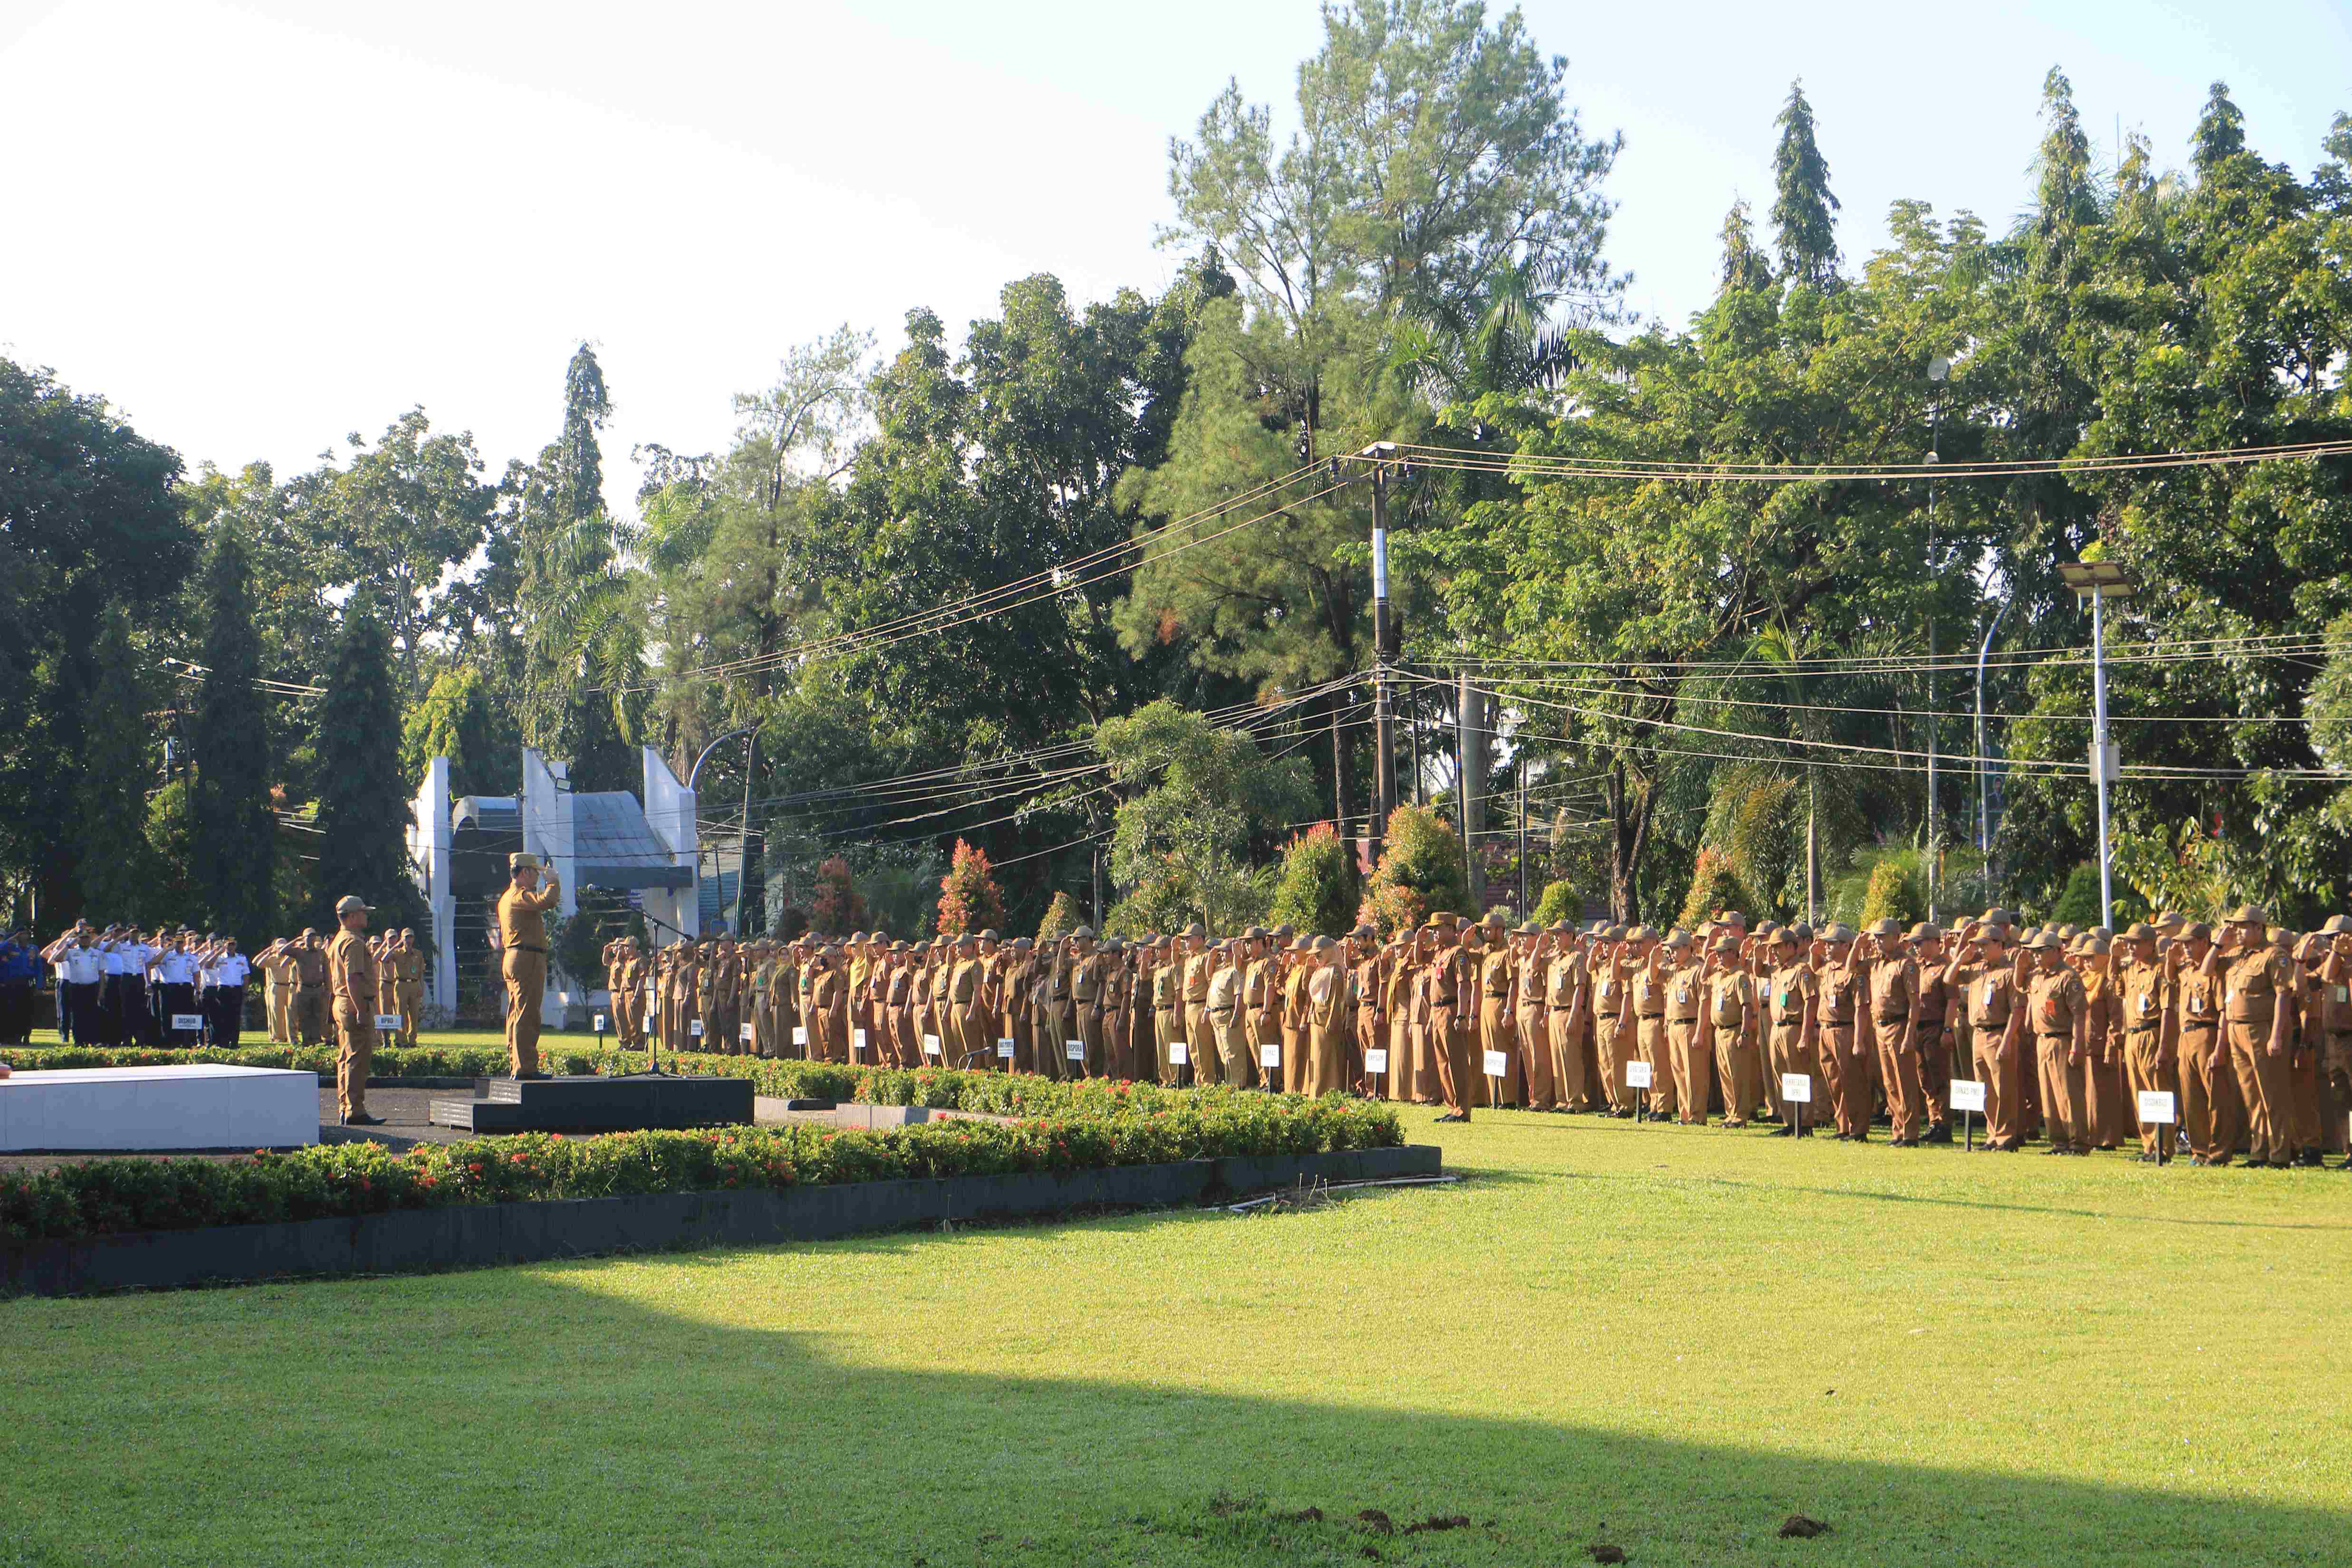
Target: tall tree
(118, 772)
(1804, 209)
(363, 804)
(1744, 266)
(235, 833)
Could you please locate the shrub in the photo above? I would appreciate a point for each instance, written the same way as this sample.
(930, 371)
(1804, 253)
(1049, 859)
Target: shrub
(1714, 887)
(1061, 920)
(1421, 870)
(99, 1197)
(2078, 903)
(1892, 894)
(1560, 901)
(836, 908)
(969, 899)
(1317, 889)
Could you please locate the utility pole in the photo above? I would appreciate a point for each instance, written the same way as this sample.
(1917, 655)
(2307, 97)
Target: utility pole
(1524, 908)
(1383, 649)
(1939, 368)
(2099, 581)
(1470, 757)
(1984, 795)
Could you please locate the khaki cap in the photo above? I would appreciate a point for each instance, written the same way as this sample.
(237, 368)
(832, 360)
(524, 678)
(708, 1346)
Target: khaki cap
(1887, 927)
(1196, 929)
(2249, 915)
(351, 904)
(1726, 942)
(1678, 939)
(2198, 931)
(2045, 940)
(1840, 931)
(2337, 925)
(1440, 920)
(2170, 918)
(2139, 931)
(1927, 932)
(519, 861)
(1087, 934)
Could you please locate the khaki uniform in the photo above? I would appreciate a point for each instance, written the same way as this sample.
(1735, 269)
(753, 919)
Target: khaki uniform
(2142, 1000)
(408, 972)
(1731, 1017)
(522, 936)
(1791, 998)
(311, 1019)
(1894, 1014)
(2210, 1115)
(1222, 1009)
(1497, 1025)
(282, 977)
(353, 978)
(1689, 1054)
(1647, 993)
(1845, 1064)
(1446, 987)
(2056, 1007)
(2257, 984)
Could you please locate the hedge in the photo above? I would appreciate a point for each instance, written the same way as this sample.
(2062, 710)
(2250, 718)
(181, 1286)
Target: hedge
(99, 1197)
(940, 1089)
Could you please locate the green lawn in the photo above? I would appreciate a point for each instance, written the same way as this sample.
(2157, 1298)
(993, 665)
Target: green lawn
(1665, 1339)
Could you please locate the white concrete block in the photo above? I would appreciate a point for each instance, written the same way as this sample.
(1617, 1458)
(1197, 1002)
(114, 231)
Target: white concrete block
(200, 1105)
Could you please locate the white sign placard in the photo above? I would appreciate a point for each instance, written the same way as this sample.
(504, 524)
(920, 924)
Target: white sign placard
(601, 1024)
(1269, 1054)
(743, 1032)
(196, 1020)
(1179, 1054)
(1497, 1064)
(2156, 1105)
(382, 1021)
(1375, 1060)
(858, 1039)
(800, 1034)
(694, 1027)
(1637, 1075)
(1797, 1087)
(1075, 1049)
(930, 1045)
(1005, 1050)
(1968, 1094)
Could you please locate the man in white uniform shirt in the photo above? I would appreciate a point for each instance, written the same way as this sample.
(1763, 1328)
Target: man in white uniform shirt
(225, 992)
(81, 973)
(173, 969)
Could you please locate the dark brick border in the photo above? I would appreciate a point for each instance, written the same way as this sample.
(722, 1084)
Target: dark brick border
(465, 1235)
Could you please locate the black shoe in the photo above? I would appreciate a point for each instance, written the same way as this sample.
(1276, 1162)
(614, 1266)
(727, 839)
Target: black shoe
(1783, 1130)
(2053, 1149)
(1940, 1132)
(2309, 1160)
(528, 1076)
(362, 1119)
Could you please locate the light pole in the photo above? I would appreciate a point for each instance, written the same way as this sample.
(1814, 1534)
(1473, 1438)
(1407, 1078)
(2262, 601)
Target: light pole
(1984, 797)
(1380, 454)
(2099, 581)
(1940, 369)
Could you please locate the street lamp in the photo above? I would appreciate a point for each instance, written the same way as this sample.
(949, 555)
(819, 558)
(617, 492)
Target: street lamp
(2099, 581)
(1940, 370)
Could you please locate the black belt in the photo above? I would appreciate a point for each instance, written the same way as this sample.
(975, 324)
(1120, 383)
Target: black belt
(1563, 1007)
(518, 947)
(1650, 1017)
(1216, 1009)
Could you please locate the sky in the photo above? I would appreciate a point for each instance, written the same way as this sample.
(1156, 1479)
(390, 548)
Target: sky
(259, 228)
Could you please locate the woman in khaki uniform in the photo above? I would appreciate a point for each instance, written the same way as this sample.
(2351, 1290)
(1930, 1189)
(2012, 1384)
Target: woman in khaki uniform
(1845, 1050)
(1329, 1010)
(2055, 1019)
(1689, 1058)
(1731, 1031)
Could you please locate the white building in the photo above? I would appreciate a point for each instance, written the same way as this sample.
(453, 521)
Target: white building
(645, 847)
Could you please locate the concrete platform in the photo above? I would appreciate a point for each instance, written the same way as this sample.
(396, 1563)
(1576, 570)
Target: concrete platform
(588, 1103)
(199, 1105)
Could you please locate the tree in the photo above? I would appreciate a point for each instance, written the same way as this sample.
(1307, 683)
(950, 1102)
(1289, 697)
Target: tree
(1421, 873)
(88, 518)
(1804, 221)
(1744, 266)
(837, 906)
(1316, 890)
(1715, 890)
(118, 875)
(455, 719)
(362, 807)
(1061, 920)
(1558, 901)
(970, 900)
(1196, 801)
(236, 836)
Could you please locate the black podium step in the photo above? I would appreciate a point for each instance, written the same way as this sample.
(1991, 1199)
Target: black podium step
(591, 1104)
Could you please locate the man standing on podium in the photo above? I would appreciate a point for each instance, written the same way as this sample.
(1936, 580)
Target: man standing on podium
(522, 937)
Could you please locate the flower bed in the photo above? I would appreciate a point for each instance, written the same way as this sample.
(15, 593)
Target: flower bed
(105, 1198)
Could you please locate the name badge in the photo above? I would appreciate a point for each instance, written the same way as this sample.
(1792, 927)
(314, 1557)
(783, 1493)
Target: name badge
(1992, 989)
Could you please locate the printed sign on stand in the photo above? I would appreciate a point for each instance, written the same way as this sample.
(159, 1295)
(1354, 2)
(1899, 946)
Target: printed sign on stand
(1179, 1054)
(195, 1021)
(1637, 1075)
(1269, 1055)
(2157, 1105)
(1968, 1094)
(858, 1039)
(1797, 1087)
(382, 1021)
(930, 1045)
(743, 1033)
(695, 1028)
(601, 1025)
(1497, 1064)
(1005, 1050)
(1075, 1049)
(800, 1034)
(1375, 1060)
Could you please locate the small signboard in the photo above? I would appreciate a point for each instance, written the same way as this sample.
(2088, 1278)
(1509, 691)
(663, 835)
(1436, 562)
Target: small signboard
(2157, 1105)
(1497, 1064)
(1075, 1049)
(858, 1039)
(1375, 1060)
(1005, 1050)
(602, 1023)
(1637, 1075)
(743, 1032)
(1797, 1087)
(196, 1020)
(1269, 1055)
(694, 1027)
(189, 1021)
(800, 1034)
(1968, 1094)
(930, 1045)
(1179, 1054)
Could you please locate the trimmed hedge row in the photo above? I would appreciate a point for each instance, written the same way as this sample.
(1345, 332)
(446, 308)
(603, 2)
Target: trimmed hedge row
(101, 1197)
(938, 1089)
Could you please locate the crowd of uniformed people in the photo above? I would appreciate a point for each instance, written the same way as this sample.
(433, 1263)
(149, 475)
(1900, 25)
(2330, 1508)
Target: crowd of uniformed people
(2249, 1029)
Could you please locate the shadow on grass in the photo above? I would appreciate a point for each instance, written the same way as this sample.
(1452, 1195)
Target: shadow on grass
(522, 1416)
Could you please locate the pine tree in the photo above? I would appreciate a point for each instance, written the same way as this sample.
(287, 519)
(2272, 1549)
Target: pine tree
(363, 805)
(2221, 133)
(1745, 268)
(116, 867)
(1804, 220)
(235, 834)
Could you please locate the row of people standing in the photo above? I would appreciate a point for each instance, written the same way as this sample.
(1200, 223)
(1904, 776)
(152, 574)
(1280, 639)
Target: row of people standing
(297, 995)
(119, 987)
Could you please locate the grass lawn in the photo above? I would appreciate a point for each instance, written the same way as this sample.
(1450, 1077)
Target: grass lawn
(1665, 1339)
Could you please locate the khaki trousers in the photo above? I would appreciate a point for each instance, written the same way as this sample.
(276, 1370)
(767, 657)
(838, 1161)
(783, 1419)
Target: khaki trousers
(1935, 1070)
(1165, 1030)
(2065, 1085)
(355, 1037)
(1498, 1031)
(2262, 1086)
(526, 974)
(1692, 1056)
(1454, 1039)
(1090, 1035)
(1207, 1066)
(2211, 1112)
(2103, 1085)
(1852, 1081)
(1899, 1072)
(1539, 1057)
(2141, 1048)
(1235, 1053)
(412, 1003)
(1649, 1039)
(1735, 1068)
(2002, 1111)
(280, 1003)
(310, 1022)
(1613, 1057)
(1053, 1039)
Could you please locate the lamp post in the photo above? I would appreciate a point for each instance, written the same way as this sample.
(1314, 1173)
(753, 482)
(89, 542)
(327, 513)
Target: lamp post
(1940, 370)
(1984, 797)
(2099, 581)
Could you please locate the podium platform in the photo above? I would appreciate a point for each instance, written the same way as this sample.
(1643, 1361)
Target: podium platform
(194, 1106)
(589, 1103)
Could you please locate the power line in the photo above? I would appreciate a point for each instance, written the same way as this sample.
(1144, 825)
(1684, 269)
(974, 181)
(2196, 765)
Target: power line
(1465, 460)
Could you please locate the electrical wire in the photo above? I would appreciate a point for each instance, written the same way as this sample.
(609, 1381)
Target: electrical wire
(1464, 460)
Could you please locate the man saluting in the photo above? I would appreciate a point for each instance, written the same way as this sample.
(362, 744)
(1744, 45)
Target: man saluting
(522, 936)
